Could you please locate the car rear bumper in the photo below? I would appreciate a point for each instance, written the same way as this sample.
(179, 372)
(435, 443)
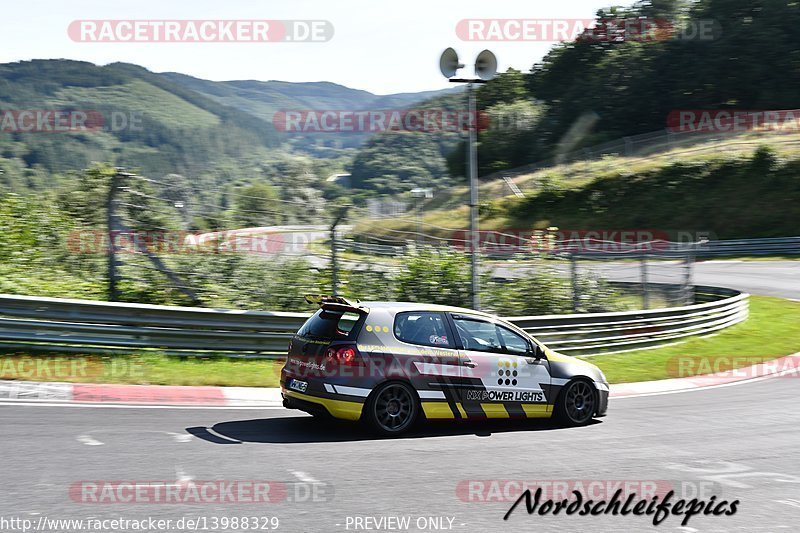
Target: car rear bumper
(342, 409)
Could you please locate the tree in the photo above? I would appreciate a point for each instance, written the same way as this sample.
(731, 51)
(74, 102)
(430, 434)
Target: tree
(257, 205)
(506, 88)
(396, 162)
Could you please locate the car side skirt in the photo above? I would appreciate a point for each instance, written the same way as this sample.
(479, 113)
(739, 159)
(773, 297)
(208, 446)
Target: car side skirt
(478, 411)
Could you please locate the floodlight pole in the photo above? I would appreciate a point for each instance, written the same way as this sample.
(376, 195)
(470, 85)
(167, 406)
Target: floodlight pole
(473, 197)
(485, 69)
(472, 158)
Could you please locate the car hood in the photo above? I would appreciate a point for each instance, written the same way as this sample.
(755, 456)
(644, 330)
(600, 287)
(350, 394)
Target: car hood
(566, 366)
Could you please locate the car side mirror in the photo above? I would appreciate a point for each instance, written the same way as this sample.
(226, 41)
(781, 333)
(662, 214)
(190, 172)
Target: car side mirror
(537, 351)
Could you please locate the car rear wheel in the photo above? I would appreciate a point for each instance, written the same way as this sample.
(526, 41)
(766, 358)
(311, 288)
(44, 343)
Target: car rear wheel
(577, 404)
(392, 409)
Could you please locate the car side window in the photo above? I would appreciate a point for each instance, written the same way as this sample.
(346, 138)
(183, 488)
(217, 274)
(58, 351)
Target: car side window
(423, 328)
(478, 335)
(513, 342)
(481, 336)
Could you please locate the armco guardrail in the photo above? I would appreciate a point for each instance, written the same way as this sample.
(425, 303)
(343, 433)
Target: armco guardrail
(374, 249)
(726, 248)
(594, 333)
(92, 326)
(773, 246)
(83, 326)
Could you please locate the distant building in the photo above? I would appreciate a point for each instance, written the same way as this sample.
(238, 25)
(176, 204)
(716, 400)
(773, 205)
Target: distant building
(386, 208)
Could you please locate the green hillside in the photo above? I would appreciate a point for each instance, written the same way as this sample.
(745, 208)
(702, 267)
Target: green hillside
(732, 189)
(263, 99)
(181, 125)
(167, 128)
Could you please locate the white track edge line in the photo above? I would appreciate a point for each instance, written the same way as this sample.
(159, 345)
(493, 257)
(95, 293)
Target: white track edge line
(707, 387)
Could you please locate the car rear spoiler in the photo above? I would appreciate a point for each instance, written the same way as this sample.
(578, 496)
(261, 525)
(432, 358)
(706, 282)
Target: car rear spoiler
(334, 302)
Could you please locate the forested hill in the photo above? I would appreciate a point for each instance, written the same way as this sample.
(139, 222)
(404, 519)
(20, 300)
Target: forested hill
(716, 54)
(264, 98)
(155, 123)
(147, 121)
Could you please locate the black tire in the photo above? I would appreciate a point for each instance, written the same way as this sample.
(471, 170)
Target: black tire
(576, 404)
(392, 409)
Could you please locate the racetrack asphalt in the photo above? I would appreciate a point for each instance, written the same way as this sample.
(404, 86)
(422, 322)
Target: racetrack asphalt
(736, 442)
(733, 442)
(767, 278)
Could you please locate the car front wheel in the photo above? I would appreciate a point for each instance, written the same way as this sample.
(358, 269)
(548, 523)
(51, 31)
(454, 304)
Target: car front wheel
(577, 404)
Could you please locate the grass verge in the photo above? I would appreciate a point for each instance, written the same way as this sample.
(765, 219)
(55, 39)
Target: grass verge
(771, 331)
(145, 369)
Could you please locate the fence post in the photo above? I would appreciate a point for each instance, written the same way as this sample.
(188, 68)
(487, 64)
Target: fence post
(112, 226)
(688, 274)
(334, 262)
(575, 287)
(645, 288)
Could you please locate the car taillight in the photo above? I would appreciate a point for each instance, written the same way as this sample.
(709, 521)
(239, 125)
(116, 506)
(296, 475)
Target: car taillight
(344, 355)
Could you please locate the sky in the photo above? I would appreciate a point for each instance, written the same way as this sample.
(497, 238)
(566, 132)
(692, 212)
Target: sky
(383, 47)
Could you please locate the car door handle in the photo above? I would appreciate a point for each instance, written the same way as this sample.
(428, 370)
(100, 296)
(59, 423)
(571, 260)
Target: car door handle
(468, 363)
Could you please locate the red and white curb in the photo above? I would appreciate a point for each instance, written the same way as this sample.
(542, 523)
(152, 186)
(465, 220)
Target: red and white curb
(255, 397)
(86, 393)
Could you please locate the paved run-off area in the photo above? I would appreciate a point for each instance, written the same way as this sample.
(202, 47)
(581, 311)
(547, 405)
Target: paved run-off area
(733, 442)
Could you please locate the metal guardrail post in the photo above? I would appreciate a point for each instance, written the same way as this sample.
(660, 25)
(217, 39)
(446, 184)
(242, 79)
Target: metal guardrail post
(573, 269)
(645, 288)
(688, 274)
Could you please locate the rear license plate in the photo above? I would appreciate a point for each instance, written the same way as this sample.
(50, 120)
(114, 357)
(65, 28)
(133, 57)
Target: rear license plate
(299, 386)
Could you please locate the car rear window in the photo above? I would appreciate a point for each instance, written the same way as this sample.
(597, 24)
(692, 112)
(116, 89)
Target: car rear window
(326, 324)
(424, 328)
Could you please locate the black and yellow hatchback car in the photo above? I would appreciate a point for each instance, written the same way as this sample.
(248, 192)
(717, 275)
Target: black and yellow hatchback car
(388, 364)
